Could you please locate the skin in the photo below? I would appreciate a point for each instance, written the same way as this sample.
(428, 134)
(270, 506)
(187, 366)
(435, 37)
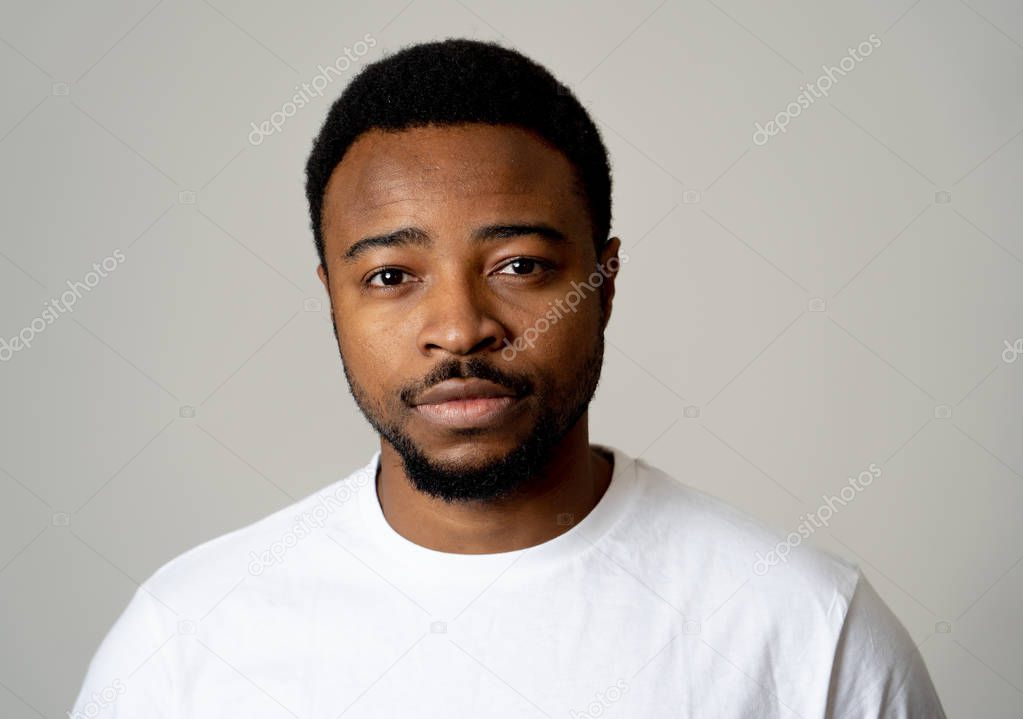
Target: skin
(457, 299)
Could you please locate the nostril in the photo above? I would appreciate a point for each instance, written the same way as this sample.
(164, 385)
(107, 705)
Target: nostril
(484, 344)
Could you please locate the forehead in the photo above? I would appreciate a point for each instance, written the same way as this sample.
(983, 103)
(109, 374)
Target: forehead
(476, 165)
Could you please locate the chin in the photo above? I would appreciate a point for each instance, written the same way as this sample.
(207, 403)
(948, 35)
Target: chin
(469, 450)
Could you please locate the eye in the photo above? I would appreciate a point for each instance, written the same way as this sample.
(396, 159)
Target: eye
(388, 277)
(522, 266)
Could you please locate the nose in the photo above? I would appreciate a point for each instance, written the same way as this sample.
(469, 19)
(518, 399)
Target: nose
(459, 319)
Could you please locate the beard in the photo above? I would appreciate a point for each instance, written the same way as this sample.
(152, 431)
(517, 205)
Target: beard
(499, 477)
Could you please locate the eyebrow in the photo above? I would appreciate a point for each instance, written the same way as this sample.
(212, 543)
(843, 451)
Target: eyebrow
(414, 236)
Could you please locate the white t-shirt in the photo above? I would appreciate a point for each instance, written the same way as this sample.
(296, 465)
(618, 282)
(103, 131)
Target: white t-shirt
(649, 606)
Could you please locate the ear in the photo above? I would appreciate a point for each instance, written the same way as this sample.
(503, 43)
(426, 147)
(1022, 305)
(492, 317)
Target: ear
(610, 263)
(322, 274)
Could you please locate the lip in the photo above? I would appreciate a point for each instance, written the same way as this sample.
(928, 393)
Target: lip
(476, 412)
(459, 389)
(466, 403)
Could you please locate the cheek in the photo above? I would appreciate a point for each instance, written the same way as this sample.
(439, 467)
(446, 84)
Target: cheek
(558, 342)
(374, 350)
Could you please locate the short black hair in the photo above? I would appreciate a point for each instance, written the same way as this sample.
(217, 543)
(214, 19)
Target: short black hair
(458, 81)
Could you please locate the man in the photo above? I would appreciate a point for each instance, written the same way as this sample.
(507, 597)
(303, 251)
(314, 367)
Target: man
(488, 560)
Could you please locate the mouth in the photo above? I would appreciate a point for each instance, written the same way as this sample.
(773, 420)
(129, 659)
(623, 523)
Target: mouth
(473, 412)
(467, 403)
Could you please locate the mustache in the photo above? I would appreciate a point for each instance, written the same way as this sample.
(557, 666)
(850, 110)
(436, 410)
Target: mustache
(475, 368)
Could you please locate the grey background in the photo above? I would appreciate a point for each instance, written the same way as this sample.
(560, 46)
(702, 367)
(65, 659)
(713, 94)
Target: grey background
(821, 307)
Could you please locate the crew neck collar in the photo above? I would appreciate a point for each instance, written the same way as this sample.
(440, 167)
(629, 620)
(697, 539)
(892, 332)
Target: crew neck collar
(577, 539)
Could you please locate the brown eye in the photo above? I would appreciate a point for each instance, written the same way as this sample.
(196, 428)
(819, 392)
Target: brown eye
(388, 277)
(520, 266)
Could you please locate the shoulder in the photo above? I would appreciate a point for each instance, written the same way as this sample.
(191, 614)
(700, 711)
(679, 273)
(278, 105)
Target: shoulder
(724, 539)
(193, 579)
(139, 645)
(781, 594)
(878, 669)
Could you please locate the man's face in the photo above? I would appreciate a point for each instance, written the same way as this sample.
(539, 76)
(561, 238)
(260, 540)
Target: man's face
(459, 262)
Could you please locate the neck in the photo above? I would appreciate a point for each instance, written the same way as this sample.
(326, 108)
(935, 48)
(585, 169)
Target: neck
(567, 489)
